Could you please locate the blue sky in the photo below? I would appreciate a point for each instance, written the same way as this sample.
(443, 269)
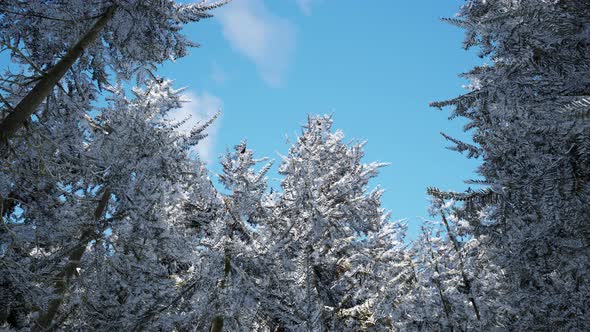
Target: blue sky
(374, 64)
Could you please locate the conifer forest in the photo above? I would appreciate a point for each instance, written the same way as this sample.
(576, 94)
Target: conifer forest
(111, 222)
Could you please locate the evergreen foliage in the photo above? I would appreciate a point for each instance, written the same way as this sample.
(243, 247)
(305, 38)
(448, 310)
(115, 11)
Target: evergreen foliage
(109, 222)
(527, 113)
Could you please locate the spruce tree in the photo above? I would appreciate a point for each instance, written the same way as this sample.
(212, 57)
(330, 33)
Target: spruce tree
(324, 221)
(80, 42)
(527, 112)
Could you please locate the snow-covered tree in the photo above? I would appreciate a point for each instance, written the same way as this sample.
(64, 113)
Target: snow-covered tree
(107, 221)
(456, 286)
(384, 270)
(428, 305)
(84, 183)
(149, 255)
(323, 221)
(80, 43)
(528, 113)
(235, 254)
(109, 245)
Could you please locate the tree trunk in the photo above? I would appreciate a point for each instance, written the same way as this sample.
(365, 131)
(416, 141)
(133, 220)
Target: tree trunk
(217, 322)
(444, 301)
(25, 108)
(61, 285)
(466, 282)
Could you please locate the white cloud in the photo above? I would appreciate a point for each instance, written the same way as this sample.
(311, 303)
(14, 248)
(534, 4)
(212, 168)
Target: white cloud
(305, 6)
(265, 38)
(198, 109)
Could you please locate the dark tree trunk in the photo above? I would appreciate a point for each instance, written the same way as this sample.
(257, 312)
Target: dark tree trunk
(217, 322)
(466, 281)
(25, 108)
(62, 281)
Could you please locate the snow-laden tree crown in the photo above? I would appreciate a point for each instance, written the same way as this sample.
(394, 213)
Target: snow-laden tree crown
(110, 223)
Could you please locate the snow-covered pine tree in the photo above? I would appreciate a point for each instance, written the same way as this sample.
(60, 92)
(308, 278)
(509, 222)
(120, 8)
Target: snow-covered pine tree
(143, 270)
(457, 285)
(62, 185)
(323, 219)
(428, 305)
(41, 186)
(528, 112)
(80, 43)
(380, 275)
(234, 250)
(108, 244)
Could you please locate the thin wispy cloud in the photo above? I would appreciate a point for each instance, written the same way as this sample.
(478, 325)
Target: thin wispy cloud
(305, 6)
(198, 109)
(262, 36)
